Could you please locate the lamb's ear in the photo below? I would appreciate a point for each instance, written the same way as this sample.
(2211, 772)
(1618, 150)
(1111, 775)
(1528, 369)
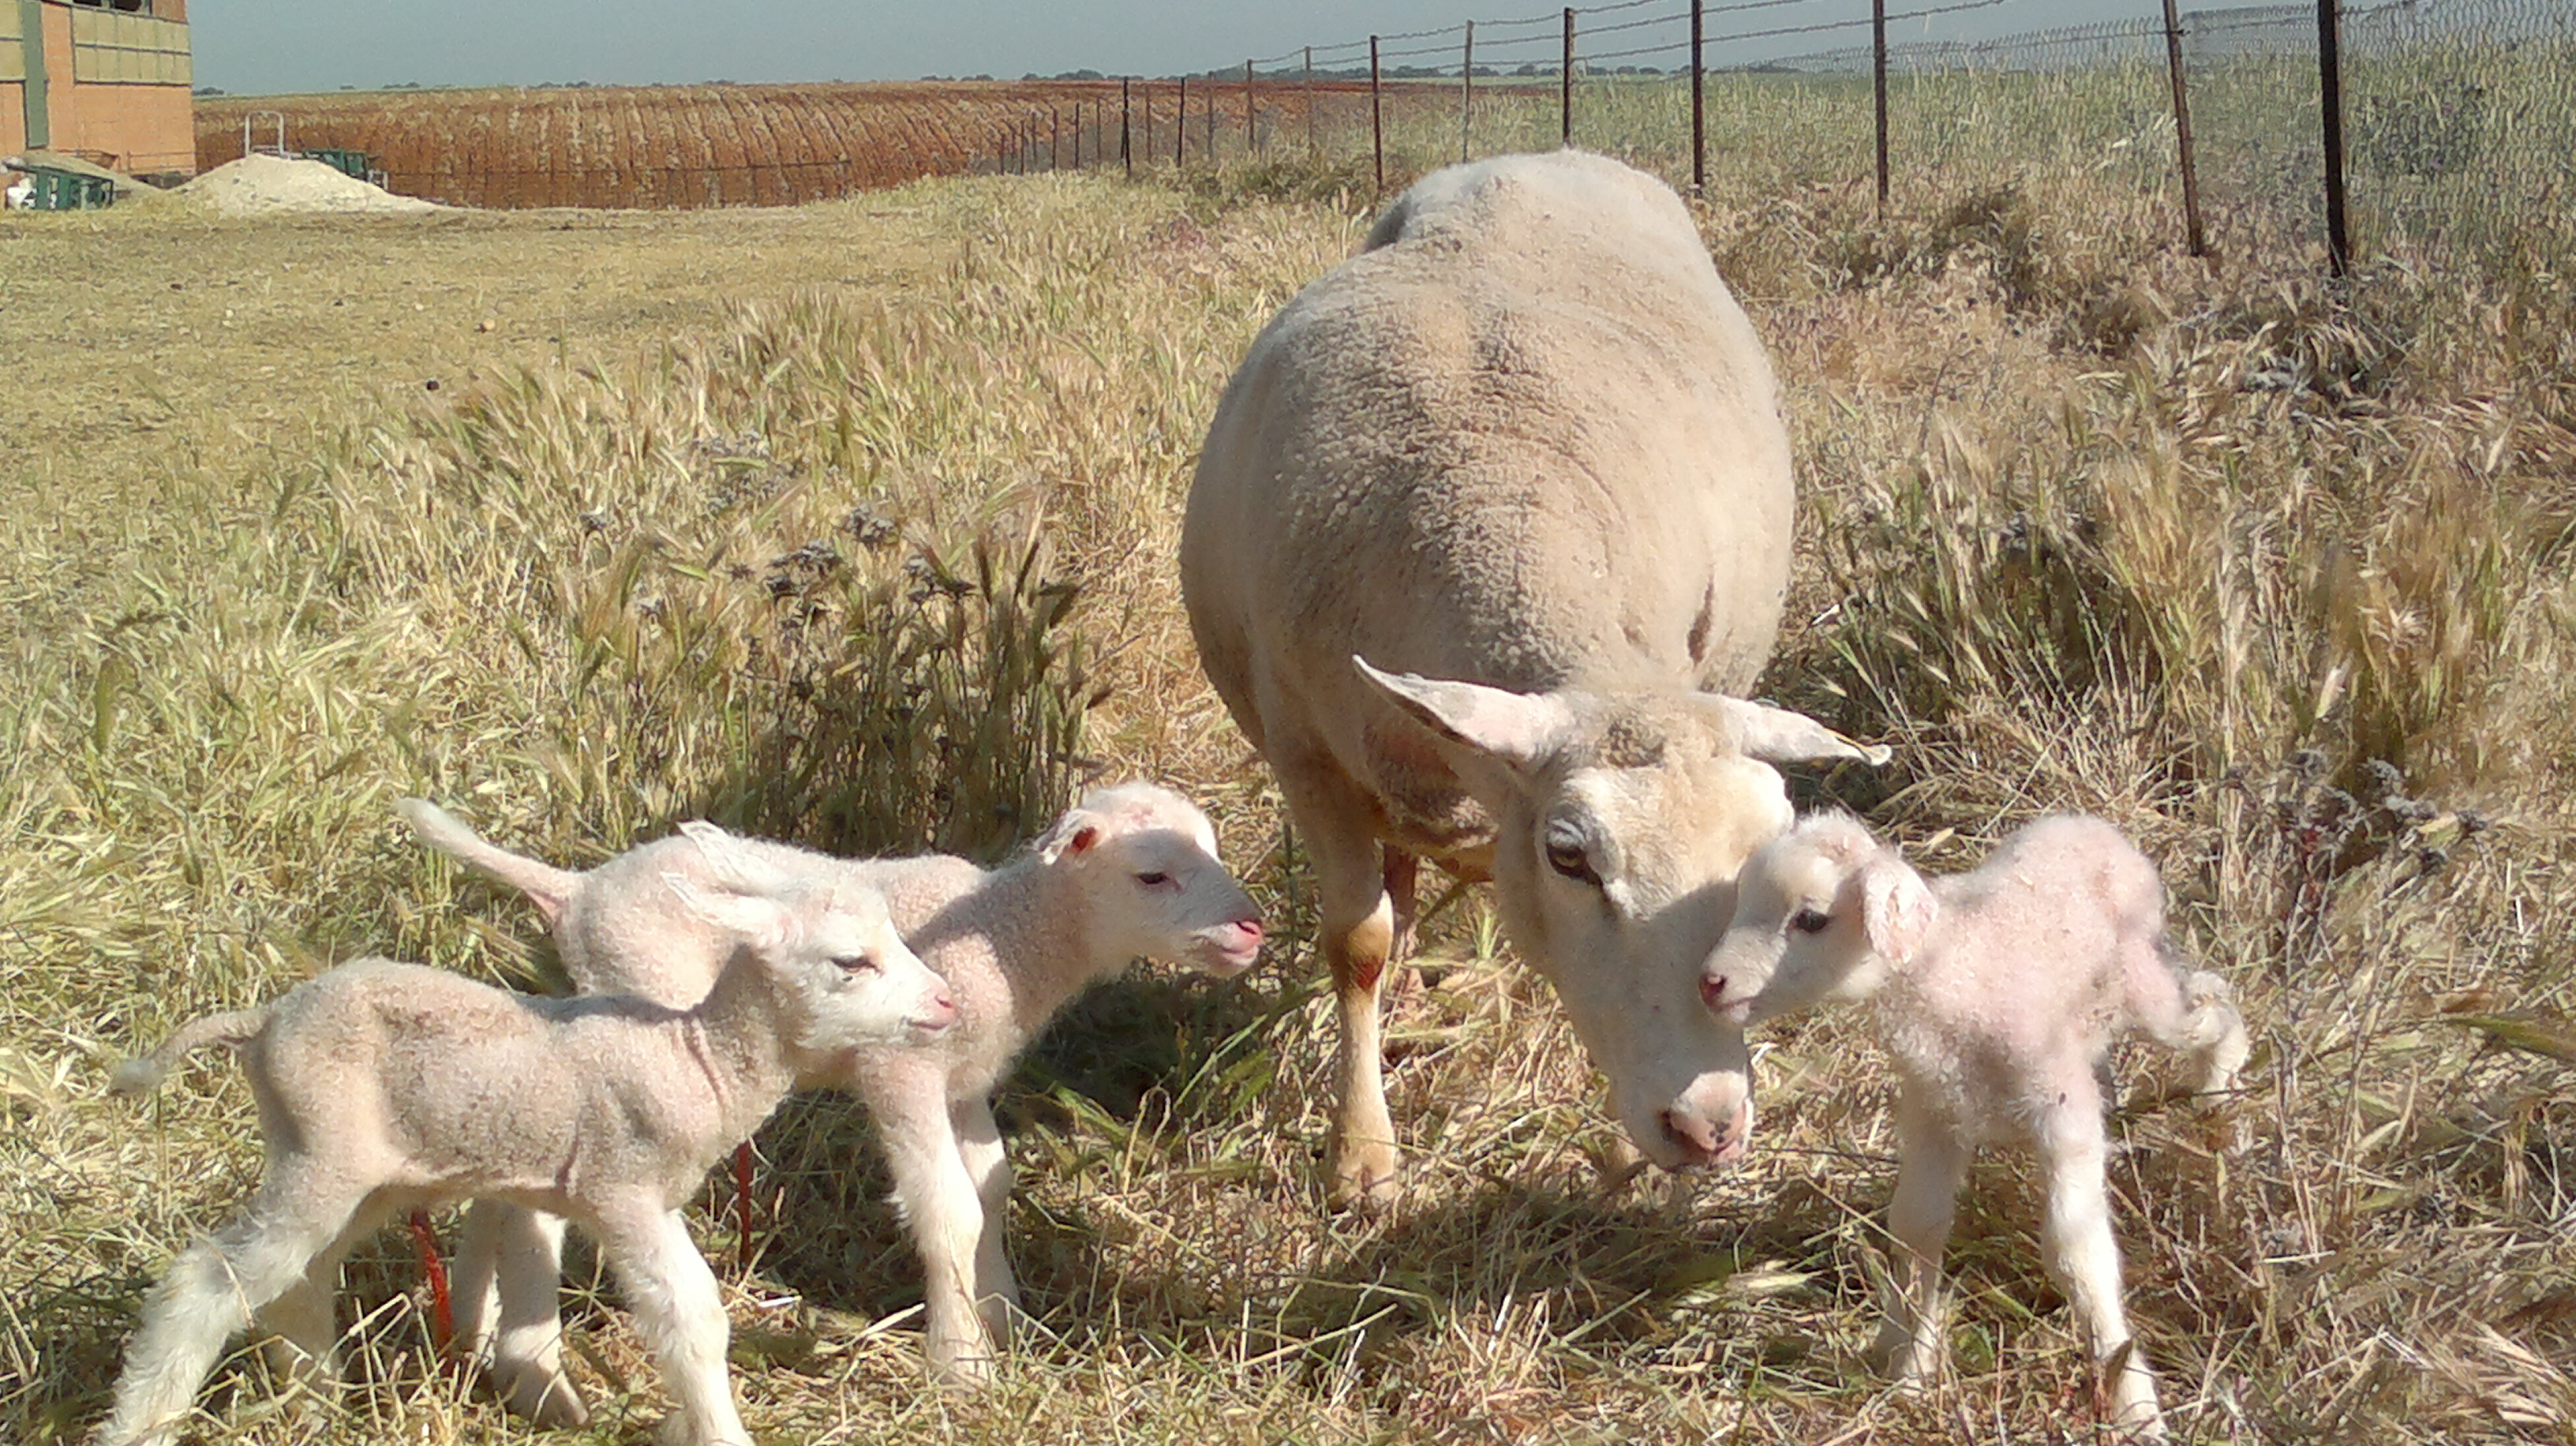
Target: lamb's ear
(1075, 833)
(756, 919)
(731, 866)
(1517, 729)
(1776, 735)
(1897, 909)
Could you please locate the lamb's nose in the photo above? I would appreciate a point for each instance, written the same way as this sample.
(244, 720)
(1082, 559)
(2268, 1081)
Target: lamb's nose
(1712, 991)
(1697, 1140)
(1250, 929)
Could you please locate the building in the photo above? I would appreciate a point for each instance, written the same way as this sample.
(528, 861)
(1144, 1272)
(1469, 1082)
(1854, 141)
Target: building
(104, 80)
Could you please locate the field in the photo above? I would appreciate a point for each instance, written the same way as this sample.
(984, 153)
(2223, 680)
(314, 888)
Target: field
(2271, 572)
(765, 145)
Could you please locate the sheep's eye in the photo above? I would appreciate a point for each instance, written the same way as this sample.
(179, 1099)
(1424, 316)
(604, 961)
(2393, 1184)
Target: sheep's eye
(1810, 921)
(859, 964)
(1153, 881)
(1565, 854)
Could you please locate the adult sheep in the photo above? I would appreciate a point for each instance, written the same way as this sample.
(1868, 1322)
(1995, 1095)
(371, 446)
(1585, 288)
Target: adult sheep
(1526, 447)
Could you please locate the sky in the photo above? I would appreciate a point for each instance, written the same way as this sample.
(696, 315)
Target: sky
(273, 46)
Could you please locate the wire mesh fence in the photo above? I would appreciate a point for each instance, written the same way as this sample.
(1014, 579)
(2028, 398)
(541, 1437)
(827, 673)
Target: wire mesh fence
(2458, 116)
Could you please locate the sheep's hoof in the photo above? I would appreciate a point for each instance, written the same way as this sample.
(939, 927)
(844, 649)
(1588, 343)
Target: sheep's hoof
(960, 1367)
(1366, 1179)
(544, 1399)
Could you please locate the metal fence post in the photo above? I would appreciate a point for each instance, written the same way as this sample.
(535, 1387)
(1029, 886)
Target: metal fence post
(1055, 139)
(1180, 122)
(1467, 91)
(1565, 86)
(1377, 118)
(2198, 239)
(1699, 118)
(1878, 67)
(1126, 135)
(1247, 110)
(1211, 117)
(2330, 101)
(1310, 100)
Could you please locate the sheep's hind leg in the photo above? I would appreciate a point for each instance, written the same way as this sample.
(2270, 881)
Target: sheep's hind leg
(508, 1318)
(1931, 1167)
(2077, 1246)
(213, 1291)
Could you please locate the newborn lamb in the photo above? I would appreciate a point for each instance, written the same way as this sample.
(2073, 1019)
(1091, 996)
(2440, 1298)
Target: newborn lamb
(1130, 871)
(383, 1087)
(1998, 992)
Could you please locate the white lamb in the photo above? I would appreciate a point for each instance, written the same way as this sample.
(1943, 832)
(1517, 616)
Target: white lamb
(1998, 992)
(1131, 871)
(383, 1087)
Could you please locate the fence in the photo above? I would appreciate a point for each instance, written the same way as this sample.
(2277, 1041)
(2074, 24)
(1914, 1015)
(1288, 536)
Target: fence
(2442, 128)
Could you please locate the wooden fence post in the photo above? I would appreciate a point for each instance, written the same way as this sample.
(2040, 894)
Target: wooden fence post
(1467, 92)
(1055, 139)
(1180, 122)
(1878, 68)
(2330, 101)
(1211, 119)
(1565, 86)
(1247, 110)
(1377, 118)
(1699, 120)
(1126, 135)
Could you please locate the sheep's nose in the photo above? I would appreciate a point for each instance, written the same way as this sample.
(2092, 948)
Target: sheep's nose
(1703, 1141)
(1250, 929)
(1712, 991)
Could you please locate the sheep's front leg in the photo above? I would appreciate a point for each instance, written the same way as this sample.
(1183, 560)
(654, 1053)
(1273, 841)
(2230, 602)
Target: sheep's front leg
(1931, 1166)
(680, 1314)
(988, 1164)
(940, 1202)
(508, 1317)
(1359, 927)
(2081, 1255)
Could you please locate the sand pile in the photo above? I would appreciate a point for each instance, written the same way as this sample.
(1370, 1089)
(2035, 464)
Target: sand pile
(259, 185)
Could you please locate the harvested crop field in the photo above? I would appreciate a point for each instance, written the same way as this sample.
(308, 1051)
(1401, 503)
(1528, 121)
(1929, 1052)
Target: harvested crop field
(757, 145)
(764, 515)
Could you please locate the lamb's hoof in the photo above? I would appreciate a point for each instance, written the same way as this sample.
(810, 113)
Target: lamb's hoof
(961, 1367)
(547, 1400)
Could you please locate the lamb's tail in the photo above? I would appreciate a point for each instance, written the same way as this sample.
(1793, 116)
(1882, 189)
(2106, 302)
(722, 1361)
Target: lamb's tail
(548, 887)
(2192, 1012)
(144, 1073)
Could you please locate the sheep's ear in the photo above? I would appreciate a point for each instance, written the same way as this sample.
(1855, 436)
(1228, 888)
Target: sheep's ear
(756, 919)
(1076, 833)
(1897, 909)
(1776, 735)
(1517, 729)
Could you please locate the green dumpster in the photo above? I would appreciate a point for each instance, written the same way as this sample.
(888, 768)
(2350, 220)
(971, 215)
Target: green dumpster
(346, 162)
(68, 190)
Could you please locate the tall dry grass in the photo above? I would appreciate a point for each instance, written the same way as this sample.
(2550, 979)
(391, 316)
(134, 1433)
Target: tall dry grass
(2269, 571)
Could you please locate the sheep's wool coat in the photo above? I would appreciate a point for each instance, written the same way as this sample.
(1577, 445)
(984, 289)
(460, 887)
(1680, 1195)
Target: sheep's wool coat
(1525, 438)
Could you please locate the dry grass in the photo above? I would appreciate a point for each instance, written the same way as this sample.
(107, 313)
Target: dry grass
(2271, 574)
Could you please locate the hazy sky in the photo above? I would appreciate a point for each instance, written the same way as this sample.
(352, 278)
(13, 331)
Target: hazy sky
(287, 45)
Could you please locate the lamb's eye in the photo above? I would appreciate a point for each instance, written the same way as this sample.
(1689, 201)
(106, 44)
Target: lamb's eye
(1153, 881)
(859, 964)
(1810, 921)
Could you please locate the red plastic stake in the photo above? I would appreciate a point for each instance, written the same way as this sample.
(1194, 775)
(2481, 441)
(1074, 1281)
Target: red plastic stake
(442, 1311)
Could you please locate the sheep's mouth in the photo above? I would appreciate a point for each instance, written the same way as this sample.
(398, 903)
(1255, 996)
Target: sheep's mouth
(930, 1028)
(1225, 953)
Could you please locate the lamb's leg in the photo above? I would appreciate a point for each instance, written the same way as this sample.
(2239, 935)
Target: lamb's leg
(680, 1314)
(508, 1316)
(306, 1348)
(940, 1202)
(1358, 927)
(214, 1290)
(1931, 1166)
(2077, 1246)
(988, 1164)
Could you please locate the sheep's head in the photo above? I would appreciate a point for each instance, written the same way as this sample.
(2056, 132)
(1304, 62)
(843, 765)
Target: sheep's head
(1823, 912)
(830, 946)
(1145, 860)
(1621, 820)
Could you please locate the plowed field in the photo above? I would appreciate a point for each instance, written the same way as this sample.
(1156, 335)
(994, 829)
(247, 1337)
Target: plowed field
(727, 145)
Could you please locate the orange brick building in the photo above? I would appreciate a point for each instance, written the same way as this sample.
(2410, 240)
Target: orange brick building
(104, 80)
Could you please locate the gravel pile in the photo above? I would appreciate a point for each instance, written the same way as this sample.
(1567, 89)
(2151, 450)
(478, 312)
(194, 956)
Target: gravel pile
(261, 185)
